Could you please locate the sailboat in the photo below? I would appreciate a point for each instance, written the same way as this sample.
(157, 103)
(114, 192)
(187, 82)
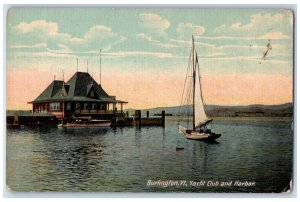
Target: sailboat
(192, 91)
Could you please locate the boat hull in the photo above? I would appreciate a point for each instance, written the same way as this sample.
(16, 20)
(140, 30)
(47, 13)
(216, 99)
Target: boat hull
(203, 136)
(86, 125)
(197, 135)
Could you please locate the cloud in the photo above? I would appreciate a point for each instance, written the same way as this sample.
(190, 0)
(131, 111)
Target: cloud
(269, 35)
(95, 30)
(140, 53)
(43, 36)
(203, 49)
(248, 58)
(154, 23)
(189, 43)
(274, 35)
(238, 51)
(99, 37)
(62, 49)
(35, 33)
(35, 46)
(37, 26)
(276, 26)
(45, 54)
(186, 30)
(146, 37)
(166, 45)
(155, 42)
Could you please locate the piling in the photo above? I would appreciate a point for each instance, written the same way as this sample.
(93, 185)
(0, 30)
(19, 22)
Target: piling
(163, 117)
(138, 117)
(16, 119)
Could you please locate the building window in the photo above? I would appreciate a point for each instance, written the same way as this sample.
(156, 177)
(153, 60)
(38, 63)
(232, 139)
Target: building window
(68, 106)
(94, 106)
(103, 106)
(87, 106)
(92, 93)
(40, 109)
(77, 105)
(55, 106)
(63, 92)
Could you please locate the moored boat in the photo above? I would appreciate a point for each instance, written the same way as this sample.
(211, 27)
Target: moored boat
(193, 92)
(87, 123)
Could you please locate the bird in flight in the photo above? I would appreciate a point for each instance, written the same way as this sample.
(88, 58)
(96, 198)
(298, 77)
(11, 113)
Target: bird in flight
(268, 48)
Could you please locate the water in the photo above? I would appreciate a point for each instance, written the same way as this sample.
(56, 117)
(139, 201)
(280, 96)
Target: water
(124, 159)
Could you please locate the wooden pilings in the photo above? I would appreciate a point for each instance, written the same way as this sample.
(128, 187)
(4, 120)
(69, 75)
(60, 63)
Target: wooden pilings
(138, 117)
(147, 121)
(163, 118)
(50, 119)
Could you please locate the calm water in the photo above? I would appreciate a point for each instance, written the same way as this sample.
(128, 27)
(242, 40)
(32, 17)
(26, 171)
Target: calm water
(124, 159)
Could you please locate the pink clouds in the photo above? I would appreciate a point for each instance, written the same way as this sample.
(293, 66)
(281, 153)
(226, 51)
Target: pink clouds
(24, 86)
(245, 89)
(147, 89)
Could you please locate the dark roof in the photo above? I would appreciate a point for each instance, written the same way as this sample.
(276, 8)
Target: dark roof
(51, 90)
(78, 88)
(79, 83)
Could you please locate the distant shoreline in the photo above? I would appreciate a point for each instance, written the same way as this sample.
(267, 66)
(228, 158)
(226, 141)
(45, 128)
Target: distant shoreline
(258, 118)
(256, 110)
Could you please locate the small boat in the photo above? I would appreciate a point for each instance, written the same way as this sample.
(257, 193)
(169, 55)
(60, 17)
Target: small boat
(199, 134)
(193, 92)
(87, 123)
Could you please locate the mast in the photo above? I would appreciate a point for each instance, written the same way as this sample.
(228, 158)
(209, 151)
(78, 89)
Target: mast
(100, 67)
(77, 64)
(63, 104)
(87, 66)
(194, 83)
(63, 116)
(63, 73)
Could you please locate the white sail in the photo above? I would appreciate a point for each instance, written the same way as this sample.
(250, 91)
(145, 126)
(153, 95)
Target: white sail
(200, 115)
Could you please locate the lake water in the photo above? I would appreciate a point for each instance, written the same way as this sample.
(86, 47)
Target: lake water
(125, 159)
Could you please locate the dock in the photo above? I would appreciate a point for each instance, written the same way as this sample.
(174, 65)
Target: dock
(27, 118)
(14, 119)
(148, 121)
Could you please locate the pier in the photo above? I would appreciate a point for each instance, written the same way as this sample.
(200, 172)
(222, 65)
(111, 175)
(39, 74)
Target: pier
(27, 118)
(148, 121)
(15, 119)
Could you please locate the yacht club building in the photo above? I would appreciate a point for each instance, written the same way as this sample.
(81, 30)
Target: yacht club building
(81, 96)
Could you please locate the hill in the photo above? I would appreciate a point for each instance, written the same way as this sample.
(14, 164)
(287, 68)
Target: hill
(282, 110)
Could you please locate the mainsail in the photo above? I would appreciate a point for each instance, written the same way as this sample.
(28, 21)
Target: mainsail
(192, 93)
(200, 115)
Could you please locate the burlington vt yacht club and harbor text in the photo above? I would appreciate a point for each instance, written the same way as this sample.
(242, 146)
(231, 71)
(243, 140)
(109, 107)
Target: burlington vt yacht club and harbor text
(201, 183)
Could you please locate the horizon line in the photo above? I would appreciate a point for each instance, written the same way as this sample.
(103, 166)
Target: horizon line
(182, 105)
(220, 105)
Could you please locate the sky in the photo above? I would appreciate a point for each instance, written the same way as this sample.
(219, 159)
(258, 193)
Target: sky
(145, 53)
